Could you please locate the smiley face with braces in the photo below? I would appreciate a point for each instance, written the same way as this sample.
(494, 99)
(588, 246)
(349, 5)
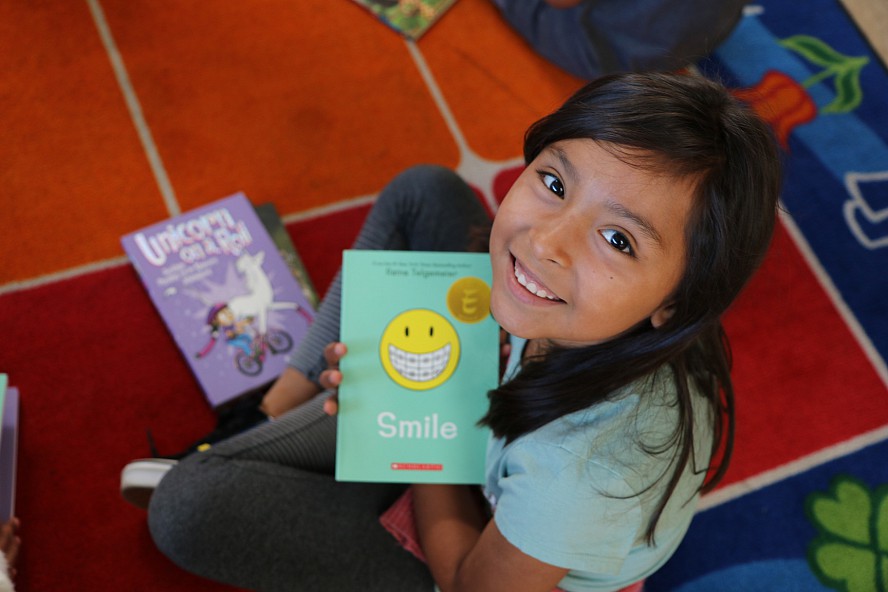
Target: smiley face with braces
(419, 349)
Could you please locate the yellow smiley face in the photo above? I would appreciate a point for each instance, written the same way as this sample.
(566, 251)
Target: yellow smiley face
(419, 349)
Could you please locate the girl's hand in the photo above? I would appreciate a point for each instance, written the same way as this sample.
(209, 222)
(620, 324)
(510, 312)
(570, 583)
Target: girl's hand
(10, 543)
(331, 378)
(290, 390)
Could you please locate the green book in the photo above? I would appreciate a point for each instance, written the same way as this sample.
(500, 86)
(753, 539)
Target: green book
(422, 355)
(272, 222)
(411, 18)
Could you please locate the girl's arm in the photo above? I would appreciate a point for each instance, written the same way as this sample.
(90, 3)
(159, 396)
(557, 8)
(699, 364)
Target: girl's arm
(291, 389)
(466, 551)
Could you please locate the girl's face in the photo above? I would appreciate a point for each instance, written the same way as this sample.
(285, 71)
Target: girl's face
(585, 246)
(225, 316)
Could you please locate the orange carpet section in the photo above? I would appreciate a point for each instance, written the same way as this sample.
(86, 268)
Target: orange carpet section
(73, 175)
(299, 103)
(494, 82)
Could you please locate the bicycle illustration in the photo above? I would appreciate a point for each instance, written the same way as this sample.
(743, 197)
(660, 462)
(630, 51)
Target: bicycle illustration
(252, 346)
(275, 342)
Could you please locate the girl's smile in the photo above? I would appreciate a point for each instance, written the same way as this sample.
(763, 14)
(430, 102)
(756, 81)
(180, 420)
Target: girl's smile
(531, 284)
(585, 246)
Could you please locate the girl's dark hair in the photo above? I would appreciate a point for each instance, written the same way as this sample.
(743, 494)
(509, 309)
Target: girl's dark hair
(689, 127)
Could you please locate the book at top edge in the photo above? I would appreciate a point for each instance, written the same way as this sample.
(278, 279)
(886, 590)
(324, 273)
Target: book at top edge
(225, 293)
(423, 353)
(8, 452)
(272, 222)
(410, 18)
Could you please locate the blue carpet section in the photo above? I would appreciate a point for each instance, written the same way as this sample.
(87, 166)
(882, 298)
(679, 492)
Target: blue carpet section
(827, 528)
(761, 541)
(837, 166)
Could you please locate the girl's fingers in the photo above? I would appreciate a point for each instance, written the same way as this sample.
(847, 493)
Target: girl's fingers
(330, 379)
(331, 405)
(12, 553)
(7, 534)
(10, 543)
(334, 352)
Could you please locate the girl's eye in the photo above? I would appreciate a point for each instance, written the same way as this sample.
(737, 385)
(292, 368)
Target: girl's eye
(618, 240)
(552, 183)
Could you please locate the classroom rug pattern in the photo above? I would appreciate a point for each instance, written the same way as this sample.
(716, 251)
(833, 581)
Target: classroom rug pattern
(119, 114)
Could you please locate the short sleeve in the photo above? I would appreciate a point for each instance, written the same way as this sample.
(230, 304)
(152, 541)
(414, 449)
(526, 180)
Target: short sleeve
(566, 510)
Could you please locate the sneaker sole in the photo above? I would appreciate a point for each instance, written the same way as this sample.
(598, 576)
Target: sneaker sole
(139, 479)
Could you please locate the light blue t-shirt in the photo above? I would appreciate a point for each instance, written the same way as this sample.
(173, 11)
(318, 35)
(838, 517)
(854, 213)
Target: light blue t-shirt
(579, 492)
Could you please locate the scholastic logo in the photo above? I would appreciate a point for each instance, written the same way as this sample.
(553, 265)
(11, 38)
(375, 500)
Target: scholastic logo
(417, 467)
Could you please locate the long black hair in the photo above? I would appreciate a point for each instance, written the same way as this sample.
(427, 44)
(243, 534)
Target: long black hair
(687, 127)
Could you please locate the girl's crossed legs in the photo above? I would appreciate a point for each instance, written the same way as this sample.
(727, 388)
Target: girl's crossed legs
(262, 510)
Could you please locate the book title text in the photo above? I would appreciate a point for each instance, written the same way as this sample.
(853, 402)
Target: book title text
(196, 239)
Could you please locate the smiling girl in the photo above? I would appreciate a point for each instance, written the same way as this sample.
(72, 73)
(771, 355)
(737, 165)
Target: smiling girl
(647, 203)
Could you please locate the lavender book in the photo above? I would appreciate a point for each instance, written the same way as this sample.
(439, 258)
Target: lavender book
(225, 293)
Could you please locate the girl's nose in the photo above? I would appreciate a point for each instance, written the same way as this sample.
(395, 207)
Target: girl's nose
(553, 238)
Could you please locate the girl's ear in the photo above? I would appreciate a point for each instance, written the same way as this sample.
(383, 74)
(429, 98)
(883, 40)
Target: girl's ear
(662, 314)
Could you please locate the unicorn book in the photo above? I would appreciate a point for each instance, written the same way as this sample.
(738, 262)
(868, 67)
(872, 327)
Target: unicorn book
(422, 355)
(226, 294)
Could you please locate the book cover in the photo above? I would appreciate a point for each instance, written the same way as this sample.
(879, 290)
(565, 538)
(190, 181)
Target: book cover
(225, 293)
(422, 355)
(411, 18)
(273, 224)
(9, 407)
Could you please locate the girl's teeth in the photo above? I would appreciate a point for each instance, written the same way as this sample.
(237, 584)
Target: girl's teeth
(532, 287)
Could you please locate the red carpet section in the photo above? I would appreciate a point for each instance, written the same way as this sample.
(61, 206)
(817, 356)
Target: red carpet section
(310, 105)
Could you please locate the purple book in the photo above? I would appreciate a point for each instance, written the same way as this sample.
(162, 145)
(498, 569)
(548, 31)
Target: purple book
(8, 452)
(225, 293)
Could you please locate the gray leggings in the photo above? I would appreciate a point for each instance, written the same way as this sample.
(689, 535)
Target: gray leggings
(262, 510)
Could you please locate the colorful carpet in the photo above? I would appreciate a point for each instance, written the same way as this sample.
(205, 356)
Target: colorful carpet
(819, 520)
(118, 114)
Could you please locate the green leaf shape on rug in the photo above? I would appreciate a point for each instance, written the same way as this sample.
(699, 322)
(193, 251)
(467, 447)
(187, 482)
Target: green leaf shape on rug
(882, 520)
(814, 50)
(853, 567)
(850, 553)
(845, 69)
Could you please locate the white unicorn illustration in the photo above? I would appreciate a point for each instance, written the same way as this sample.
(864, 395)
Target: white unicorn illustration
(260, 298)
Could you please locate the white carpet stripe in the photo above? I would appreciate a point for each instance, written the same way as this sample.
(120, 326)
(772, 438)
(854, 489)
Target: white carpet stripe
(122, 260)
(790, 469)
(438, 97)
(830, 288)
(135, 109)
(62, 275)
(472, 167)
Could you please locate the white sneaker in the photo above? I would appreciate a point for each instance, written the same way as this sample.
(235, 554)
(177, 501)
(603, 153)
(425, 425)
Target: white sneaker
(139, 479)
